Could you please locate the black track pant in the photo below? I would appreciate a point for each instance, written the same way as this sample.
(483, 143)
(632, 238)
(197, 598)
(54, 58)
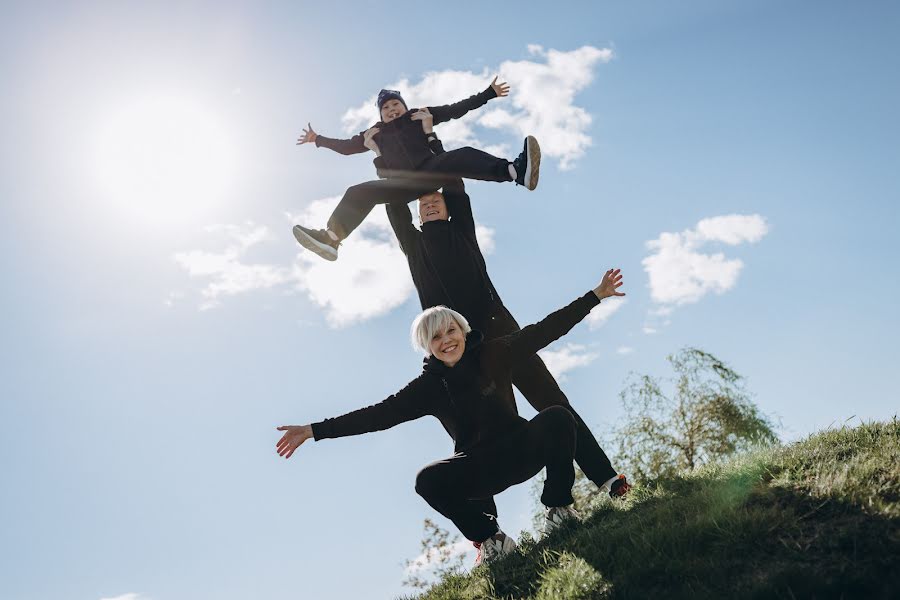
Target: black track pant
(458, 487)
(434, 173)
(539, 387)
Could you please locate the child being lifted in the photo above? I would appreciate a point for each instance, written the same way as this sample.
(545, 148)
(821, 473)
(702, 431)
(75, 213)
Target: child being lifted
(402, 144)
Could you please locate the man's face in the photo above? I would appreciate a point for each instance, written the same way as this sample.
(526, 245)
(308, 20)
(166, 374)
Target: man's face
(433, 208)
(392, 109)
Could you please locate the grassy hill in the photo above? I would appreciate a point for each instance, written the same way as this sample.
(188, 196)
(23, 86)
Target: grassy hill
(816, 519)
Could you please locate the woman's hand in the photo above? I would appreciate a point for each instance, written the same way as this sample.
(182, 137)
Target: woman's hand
(294, 435)
(501, 89)
(424, 115)
(611, 281)
(369, 143)
(308, 136)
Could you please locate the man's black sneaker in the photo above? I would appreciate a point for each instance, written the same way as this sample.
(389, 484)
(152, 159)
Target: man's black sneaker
(619, 487)
(528, 164)
(318, 241)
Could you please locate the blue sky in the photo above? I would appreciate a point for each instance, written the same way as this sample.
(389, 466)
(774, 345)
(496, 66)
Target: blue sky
(159, 320)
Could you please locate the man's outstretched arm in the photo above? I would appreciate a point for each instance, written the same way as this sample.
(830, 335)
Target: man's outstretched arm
(459, 207)
(402, 223)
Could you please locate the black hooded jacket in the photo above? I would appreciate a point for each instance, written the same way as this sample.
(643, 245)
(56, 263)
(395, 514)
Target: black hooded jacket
(474, 399)
(449, 248)
(402, 142)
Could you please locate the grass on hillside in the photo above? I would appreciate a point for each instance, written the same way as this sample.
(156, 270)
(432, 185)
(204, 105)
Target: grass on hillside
(816, 519)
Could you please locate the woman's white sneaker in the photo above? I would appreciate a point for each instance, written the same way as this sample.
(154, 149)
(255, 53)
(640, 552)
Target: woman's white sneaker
(493, 548)
(554, 516)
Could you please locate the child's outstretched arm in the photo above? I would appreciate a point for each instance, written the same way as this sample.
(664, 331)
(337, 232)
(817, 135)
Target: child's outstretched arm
(458, 109)
(355, 145)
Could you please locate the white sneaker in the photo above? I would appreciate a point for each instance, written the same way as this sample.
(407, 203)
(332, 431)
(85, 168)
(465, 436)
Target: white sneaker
(554, 516)
(494, 547)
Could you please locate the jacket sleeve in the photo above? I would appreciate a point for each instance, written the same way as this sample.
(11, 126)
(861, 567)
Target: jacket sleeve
(412, 402)
(458, 109)
(352, 146)
(459, 207)
(402, 223)
(532, 338)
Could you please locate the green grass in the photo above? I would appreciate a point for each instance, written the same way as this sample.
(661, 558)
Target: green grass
(816, 519)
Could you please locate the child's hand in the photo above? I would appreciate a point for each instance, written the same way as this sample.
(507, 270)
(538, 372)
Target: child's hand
(612, 280)
(369, 143)
(424, 115)
(308, 136)
(501, 89)
(294, 436)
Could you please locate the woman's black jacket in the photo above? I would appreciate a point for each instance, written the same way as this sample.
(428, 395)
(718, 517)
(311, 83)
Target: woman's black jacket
(474, 399)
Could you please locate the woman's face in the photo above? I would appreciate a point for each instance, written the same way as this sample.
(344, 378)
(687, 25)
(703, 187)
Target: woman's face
(392, 109)
(448, 345)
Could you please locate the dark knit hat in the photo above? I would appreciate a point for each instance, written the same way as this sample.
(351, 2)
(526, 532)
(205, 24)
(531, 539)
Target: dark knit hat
(385, 95)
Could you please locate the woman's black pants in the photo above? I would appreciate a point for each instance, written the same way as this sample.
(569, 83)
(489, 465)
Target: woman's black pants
(439, 170)
(538, 386)
(462, 487)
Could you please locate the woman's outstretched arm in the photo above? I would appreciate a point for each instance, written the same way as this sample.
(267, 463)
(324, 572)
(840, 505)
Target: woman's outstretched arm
(557, 324)
(412, 402)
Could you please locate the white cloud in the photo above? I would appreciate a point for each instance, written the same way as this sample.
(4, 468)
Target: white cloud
(680, 274)
(128, 596)
(541, 102)
(570, 356)
(370, 278)
(649, 330)
(604, 311)
(425, 560)
(623, 350)
(225, 271)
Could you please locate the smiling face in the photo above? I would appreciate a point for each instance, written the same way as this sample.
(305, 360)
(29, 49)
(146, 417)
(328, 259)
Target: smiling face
(433, 208)
(447, 345)
(392, 109)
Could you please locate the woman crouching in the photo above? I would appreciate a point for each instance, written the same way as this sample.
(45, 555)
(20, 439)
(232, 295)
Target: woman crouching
(467, 384)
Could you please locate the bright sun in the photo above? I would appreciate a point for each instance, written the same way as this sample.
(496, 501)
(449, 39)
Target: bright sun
(165, 159)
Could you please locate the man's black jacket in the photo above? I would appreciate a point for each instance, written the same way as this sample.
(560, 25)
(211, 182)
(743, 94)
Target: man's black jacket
(445, 261)
(474, 399)
(402, 142)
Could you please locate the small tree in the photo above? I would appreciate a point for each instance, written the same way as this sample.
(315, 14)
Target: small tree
(440, 557)
(708, 416)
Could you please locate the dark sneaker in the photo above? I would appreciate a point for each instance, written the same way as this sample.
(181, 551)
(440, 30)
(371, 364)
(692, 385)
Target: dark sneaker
(619, 487)
(554, 516)
(318, 241)
(528, 164)
(493, 548)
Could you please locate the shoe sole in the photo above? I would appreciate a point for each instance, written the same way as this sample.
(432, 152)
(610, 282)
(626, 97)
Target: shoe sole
(314, 245)
(533, 170)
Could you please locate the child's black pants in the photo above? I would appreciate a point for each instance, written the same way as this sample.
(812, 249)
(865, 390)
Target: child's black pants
(439, 170)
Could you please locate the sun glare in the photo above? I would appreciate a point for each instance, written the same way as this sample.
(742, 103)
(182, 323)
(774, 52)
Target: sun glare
(165, 159)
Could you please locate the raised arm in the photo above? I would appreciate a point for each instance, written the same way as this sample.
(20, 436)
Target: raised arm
(557, 324)
(459, 207)
(409, 403)
(402, 223)
(458, 109)
(355, 145)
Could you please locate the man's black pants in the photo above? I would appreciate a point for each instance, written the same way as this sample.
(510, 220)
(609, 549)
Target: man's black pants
(439, 170)
(462, 487)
